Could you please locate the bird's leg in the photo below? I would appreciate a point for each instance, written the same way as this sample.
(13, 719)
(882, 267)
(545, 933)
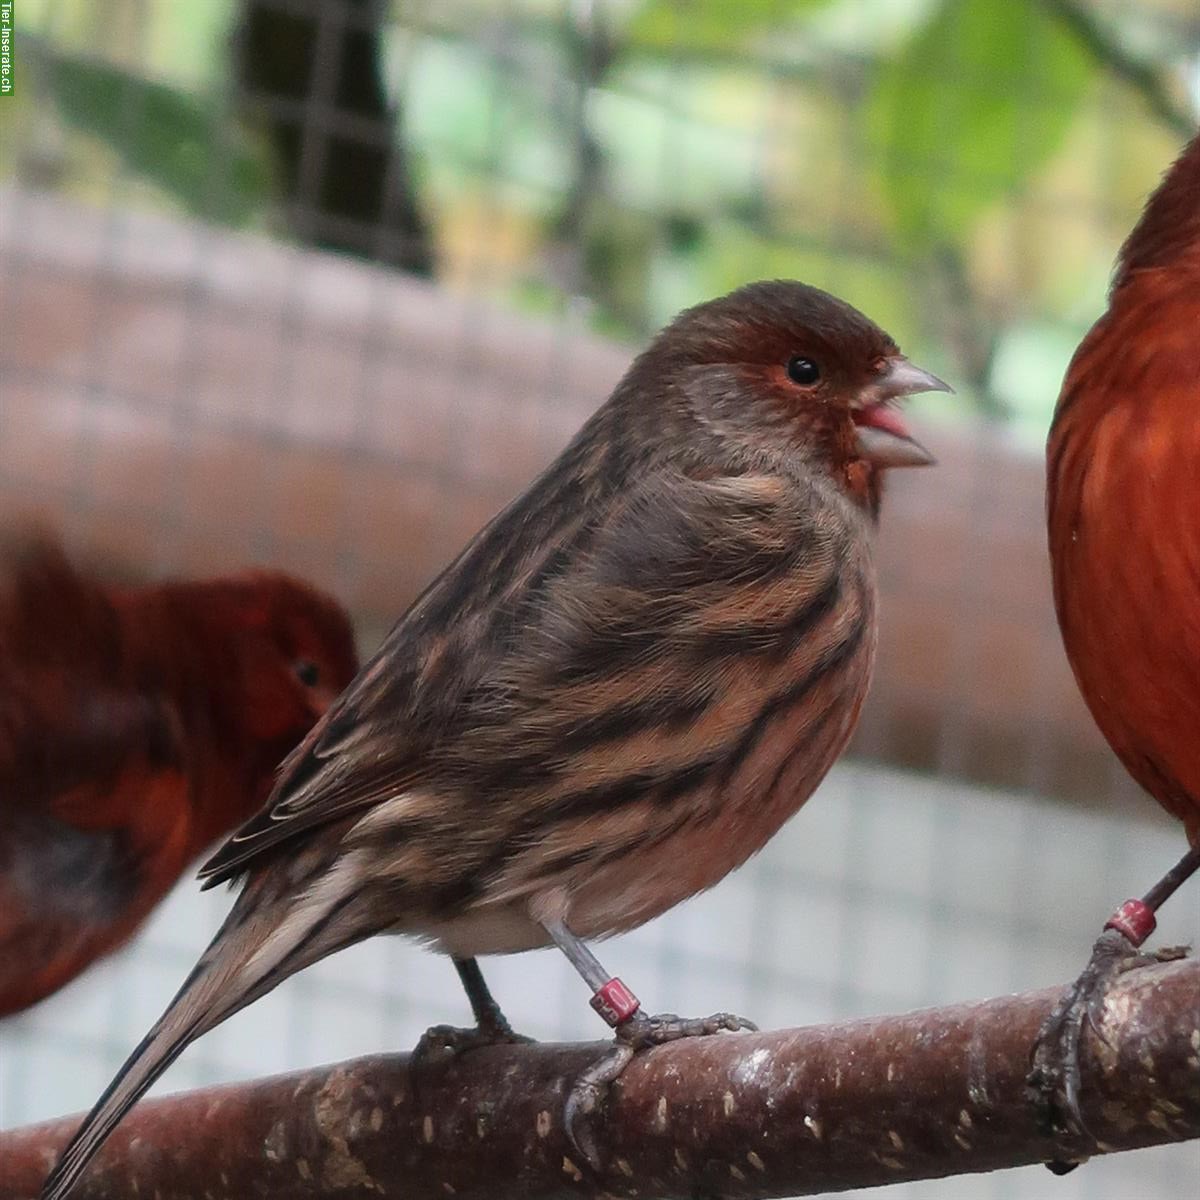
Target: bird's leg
(1054, 1079)
(491, 1025)
(634, 1031)
(489, 1020)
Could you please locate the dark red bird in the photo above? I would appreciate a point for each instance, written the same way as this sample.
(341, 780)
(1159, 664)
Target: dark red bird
(137, 726)
(614, 695)
(1123, 507)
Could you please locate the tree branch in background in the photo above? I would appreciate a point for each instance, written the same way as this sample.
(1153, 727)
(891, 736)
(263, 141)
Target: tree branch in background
(971, 334)
(591, 251)
(797, 1112)
(316, 78)
(1138, 74)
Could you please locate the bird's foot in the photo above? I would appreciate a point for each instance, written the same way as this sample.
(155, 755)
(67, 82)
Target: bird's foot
(636, 1033)
(440, 1045)
(641, 1031)
(449, 1041)
(1054, 1081)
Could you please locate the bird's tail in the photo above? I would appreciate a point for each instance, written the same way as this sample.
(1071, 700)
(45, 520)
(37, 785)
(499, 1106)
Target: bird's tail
(177, 1027)
(256, 948)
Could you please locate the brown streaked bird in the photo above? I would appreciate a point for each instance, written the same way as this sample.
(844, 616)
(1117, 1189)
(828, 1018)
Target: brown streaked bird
(137, 726)
(1122, 502)
(614, 695)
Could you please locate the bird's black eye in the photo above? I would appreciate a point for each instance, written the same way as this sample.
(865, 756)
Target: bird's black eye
(307, 672)
(803, 371)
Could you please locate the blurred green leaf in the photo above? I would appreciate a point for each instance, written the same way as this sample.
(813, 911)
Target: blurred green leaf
(710, 24)
(972, 107)
(467, 113)
(169, 137)
(677, 138)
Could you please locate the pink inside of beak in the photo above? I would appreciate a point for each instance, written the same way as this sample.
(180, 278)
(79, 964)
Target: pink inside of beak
(882, 416)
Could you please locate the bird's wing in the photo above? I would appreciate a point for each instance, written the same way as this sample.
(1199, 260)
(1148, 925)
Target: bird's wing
(88, 765)
(79, 739)
(569, 647)
(64, 898)
(94, 828)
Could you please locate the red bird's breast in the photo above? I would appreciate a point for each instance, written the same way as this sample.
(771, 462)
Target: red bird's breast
(1123, 496)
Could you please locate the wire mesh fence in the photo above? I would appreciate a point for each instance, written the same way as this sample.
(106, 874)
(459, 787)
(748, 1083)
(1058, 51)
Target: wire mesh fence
(889, 891)
(190, 381)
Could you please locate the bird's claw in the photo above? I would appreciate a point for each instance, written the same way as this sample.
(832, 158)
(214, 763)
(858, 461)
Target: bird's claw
(441, 1044)
(639, 1032)
(449, 1041)
(586, 1095)
(1054, 1081)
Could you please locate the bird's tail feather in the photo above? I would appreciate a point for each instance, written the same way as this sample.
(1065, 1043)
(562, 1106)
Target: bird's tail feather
(252, 953)
(184, 1021)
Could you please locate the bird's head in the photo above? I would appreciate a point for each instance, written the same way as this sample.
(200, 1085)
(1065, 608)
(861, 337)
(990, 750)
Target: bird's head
(1163, 250)
(781, 361)
(294, 650)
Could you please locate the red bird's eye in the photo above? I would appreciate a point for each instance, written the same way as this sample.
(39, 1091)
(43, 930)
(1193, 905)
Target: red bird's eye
(307, 672)
(803, 371)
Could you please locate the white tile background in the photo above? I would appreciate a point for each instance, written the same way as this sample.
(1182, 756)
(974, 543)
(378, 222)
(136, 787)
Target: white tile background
(915, 891)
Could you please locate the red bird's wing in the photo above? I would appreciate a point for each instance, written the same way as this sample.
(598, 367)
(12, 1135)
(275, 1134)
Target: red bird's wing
(78, 728)
(83, 858)
(65, 897)
(91, 778)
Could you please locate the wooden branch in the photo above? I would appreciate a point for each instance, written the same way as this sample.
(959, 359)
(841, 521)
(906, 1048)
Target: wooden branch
(971, 332)
(796, 1112)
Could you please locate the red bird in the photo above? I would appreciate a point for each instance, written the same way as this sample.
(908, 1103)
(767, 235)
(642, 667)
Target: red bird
(1122, 497)
(137, 726)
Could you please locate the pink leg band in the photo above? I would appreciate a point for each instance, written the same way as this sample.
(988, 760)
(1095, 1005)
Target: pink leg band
(1135, 919)
(615, 1002)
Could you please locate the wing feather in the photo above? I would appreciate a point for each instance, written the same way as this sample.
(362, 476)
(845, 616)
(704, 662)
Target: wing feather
(486, 688)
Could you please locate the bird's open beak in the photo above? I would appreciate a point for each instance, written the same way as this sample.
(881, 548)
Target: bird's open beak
(883, 438)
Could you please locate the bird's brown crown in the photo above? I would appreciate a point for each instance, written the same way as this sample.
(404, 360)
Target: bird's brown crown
(769, 321)
(782, 363)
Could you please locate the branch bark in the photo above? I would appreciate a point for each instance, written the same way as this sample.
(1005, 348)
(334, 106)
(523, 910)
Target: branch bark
(795, 1112)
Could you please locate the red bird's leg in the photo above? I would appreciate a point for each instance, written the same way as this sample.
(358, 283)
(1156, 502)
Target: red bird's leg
(1166, 887)
(491, 1025)
(1054, 1080)
(634, 1031)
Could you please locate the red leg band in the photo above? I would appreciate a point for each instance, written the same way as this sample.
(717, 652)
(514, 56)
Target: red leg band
(1135, 919)
(615, 1002)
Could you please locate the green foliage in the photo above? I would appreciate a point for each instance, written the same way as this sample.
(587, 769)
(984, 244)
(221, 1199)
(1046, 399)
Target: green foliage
(473, 121)
(186, 43)
(714, 25)
(970, 110)
(676, 139)
(187, 148)
(678, 148)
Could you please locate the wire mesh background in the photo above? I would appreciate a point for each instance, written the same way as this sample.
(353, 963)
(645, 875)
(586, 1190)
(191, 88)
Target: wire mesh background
(185, 398)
